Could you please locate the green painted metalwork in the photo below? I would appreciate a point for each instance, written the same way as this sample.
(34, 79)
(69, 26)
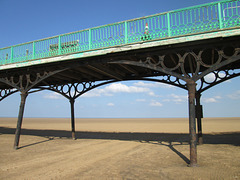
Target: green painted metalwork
(59, 46)
(220, 16)
(192, 20)
(90, 38)
(169, 25)
(34, 50)
(126, 32)
(11, 54)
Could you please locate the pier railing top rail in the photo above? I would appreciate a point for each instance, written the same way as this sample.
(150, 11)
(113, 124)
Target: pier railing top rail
(204, 18)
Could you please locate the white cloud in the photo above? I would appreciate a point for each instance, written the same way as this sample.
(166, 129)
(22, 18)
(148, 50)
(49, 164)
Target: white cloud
(110, 104)
(211, 77)
(156, 103)
(153, 85)
(92, 93)
(119, 87)
(143, 84)
(235, 95)
(53, 95)
(212, 99)
(116, 88)
(140, 100)
(209, 100)
(151, 93)
(176, 98)
(138, 87)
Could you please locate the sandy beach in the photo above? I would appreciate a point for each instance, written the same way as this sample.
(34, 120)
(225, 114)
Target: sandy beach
(118, 149)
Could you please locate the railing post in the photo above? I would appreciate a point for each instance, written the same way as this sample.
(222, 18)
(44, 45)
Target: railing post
(11, 55)
(169, 25)
(59, 45)
(90, 38)
(220, 16)
(33, 55)
(126, 33)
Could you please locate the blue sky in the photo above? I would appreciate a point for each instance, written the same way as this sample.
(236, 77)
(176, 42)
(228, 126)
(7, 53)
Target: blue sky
(28, 20)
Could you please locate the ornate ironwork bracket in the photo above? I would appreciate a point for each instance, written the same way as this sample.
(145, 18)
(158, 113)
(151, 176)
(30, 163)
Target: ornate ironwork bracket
(214, 78)
(6, 92)
(70, 91)
(23, 83)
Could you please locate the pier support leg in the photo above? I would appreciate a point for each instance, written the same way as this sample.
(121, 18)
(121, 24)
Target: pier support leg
(72, 101)
(192, 123)
(20, 118)
(199, 116)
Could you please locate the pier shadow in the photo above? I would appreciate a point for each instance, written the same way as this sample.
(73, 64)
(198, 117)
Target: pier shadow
(170, 140)
(32, 144)
(232, 138)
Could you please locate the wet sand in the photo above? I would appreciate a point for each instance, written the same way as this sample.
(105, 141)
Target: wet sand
(118, 149)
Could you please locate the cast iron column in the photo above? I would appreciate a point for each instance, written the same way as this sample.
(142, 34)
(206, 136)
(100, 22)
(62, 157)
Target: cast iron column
(199, 116)
(20, 118)
(72, 118)
(192, 123)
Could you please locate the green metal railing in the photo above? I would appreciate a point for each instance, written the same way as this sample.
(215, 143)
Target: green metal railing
(198, 19)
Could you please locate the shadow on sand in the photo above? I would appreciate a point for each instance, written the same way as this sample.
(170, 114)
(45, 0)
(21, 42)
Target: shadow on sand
(165, 139)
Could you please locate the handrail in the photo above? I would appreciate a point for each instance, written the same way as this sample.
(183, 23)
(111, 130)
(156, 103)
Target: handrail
(191, 20)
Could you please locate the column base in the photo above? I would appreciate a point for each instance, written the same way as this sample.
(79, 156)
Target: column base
(193, 165)
(200, 141)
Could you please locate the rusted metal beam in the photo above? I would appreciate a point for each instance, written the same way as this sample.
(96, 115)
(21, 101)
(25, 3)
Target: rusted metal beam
(87, 72)
(150, 67)
(71, 76)
(129, 69)
(106, 72)
(61, 77)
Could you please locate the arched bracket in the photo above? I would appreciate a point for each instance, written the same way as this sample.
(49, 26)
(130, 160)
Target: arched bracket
(188, 66)
(147, 64)
(217, 67)
(6, 92)
(214, 78)
(70, 91)
(24, 83)
(74, 90)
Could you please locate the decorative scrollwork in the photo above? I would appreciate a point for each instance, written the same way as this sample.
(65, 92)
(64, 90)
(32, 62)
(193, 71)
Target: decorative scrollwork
(6, 92)
(193, 63)
(172, 80)
(173, 58)
(71, 91)
(25, 82)
(209, 57)
(216, 77)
